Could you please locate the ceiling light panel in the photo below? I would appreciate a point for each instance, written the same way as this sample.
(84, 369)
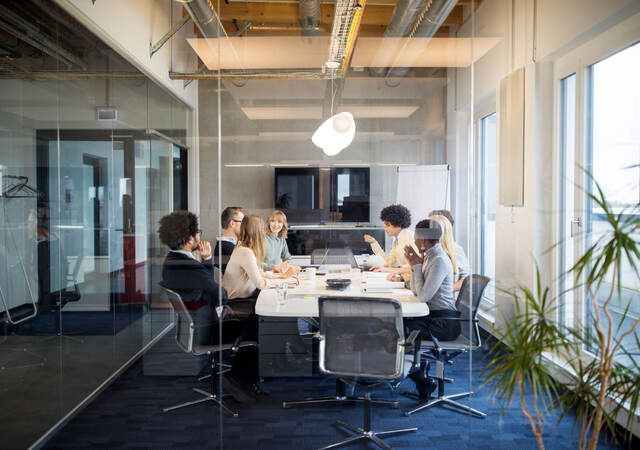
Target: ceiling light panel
(298, 52)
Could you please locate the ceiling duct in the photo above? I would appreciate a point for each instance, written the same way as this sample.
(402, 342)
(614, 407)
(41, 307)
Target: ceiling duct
(402, 19)
(414, 18)
(426, 26)
(309, 17)
(205, 17)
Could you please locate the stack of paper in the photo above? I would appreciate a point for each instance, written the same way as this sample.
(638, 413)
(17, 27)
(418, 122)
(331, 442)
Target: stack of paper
(382, 286)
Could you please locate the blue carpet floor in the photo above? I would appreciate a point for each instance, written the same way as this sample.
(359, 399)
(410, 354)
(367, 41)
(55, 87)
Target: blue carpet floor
(128, 415)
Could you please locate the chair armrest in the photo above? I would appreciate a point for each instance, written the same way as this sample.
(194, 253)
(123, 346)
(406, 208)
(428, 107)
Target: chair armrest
(239, 343)
(458, 319)
(410, 340)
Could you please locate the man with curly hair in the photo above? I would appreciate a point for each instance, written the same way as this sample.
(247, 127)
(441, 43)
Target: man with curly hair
(188, 269)
(397, 219)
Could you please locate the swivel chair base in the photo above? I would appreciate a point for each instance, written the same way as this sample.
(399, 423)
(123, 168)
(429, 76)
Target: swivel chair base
(446, 400)
(340, 397)
(365, 432)
(207, 397)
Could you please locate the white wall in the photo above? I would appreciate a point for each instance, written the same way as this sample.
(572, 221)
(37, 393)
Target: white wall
(523, 233)
(129, 27)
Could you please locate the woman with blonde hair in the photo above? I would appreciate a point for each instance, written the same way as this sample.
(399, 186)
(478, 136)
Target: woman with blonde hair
(277, 256)
(244, 276)
(449, 245)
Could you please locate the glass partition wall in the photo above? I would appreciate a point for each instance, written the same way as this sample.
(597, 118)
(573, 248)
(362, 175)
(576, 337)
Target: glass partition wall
(263, 93)
(84, 183)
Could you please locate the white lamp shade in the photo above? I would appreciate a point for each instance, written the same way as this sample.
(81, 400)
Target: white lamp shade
(336, 133)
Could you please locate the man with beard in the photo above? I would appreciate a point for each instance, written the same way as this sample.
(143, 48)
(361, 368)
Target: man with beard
(188, 270)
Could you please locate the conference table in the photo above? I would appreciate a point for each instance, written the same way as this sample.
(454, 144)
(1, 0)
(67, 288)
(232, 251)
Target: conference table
(302, 298)
(285, 348)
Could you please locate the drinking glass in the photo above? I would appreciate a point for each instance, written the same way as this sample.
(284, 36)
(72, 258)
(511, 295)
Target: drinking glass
(281, 293)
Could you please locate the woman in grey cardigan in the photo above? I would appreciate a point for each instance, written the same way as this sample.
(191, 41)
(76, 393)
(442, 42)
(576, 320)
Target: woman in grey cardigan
(277, 256)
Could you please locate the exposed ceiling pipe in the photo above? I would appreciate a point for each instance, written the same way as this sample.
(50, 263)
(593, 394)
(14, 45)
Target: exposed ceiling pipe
(426, 26)
(414, 18)
(205, 17)
(13, 24)
(404, 16)
(309, 17)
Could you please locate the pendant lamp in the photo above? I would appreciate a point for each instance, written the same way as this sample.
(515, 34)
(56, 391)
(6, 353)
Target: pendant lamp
(335, 134)
(338, 131)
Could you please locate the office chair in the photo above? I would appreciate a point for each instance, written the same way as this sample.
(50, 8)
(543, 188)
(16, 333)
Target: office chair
(445, 351)
(187, 338)
(362, 341)
(341, 395)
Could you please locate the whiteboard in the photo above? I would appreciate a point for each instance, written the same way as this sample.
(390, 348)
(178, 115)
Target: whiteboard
(423, 189)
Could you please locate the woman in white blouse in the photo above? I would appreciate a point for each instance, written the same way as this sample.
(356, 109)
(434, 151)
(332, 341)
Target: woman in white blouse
(244, 276)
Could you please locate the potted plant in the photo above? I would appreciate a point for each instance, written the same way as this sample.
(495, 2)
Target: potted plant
(600, 385)
(516, 361)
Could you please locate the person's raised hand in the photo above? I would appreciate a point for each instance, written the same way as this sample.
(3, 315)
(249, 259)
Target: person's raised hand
(369, 239)
(412, 256)
(204, 249)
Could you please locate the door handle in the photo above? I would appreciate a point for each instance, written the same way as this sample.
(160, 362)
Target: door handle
(576, 226)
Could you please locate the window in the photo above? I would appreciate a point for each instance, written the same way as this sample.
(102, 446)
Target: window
(567, 224)
(612, 154)
(488, 161)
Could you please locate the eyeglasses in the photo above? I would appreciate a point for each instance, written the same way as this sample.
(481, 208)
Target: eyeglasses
(201, 233)
(236, 220)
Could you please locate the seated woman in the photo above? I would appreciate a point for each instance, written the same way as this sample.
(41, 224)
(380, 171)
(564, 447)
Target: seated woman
(432, 283)
(244, 277)
(277, 256)
(188, 269)
(397, 219)
(450, 246)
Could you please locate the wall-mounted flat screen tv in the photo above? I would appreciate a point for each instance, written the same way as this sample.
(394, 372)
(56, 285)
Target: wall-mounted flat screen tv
(322, 195)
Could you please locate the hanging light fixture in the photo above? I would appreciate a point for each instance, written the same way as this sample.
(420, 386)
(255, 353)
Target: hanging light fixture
(335, 133)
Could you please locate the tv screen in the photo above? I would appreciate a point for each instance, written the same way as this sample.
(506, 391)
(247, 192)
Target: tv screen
(320, 195)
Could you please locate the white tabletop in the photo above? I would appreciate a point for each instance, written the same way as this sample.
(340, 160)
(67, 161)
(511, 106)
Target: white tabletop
(303, 300)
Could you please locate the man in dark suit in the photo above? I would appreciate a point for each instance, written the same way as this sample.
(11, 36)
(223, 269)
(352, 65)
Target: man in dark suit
(230, 219)
(188, 269)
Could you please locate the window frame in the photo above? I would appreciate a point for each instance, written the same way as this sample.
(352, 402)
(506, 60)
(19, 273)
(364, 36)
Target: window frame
(580, 61)
(485, 109)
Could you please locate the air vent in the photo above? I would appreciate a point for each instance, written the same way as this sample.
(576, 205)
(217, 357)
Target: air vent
(106, 113)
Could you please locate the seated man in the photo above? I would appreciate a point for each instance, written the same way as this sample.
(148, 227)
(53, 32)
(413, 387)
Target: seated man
(183, 272)
(432, 283)
(230, 219)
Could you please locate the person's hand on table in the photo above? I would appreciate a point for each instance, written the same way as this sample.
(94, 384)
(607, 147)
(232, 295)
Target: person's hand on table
(394, 277)
(412, 256)
(369, 239)
(204, 249)
(289, 273)
(282, 267)
(296, 269)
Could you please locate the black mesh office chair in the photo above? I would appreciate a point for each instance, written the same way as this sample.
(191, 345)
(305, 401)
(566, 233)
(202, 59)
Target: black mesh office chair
(362, 341)
(187, 339)
(445, 351)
